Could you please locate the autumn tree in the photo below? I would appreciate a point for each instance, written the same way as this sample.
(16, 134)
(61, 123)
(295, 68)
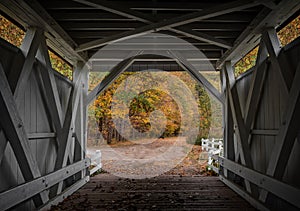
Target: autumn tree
(146, 102)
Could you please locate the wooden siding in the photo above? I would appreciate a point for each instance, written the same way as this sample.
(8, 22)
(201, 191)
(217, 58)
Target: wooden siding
(33, 111)
(270, 115)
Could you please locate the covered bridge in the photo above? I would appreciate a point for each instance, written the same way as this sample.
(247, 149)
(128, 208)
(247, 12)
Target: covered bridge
(43, 115)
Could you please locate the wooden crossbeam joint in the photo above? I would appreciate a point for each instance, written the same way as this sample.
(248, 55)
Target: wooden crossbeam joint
(273, 46)
(243, 148)
(172, 23)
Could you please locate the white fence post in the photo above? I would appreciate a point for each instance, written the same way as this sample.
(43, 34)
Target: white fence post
(98, 158)
(213, 147)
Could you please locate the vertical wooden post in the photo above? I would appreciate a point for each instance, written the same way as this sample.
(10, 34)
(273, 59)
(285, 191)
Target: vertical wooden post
(81, 116)
(240, 130)
(227, 126)
(85, 88)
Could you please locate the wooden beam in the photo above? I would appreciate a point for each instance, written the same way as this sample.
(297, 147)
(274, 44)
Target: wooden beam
(80, 120)
(272, 43)
(243, 148)
(257, 82)
(66, 135)
(31, 13)
(67, 192)
(228, 123)
(173, 22)
(3, 144)
(85, 82)
(278, 188)
(163, 35)
(128, 13)
(29, 189)
(228, 127)
(14, 130)
(44, 97)
(141, 5)
(287, 135)
(29, 47)
(249, 38)
(237, 115)
(256, 88)
(119, 26)
(264, 132)
(63, 152)
(41, 135)
(116, 9)
(196, 75)
(121, 67)
(214, 34)
(255, 203)
(50, 86)
(201, 36)
(67, 130)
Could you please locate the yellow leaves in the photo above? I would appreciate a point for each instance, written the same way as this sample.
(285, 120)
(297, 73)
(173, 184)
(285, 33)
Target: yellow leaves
(10, 32)
(286, 35)
(290, 32)
(15, 36)
(61, 65)
(145, 103)
(246, 62)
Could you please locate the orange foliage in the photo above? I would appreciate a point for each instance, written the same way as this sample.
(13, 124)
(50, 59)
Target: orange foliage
(290, 32)
(286, 35)
(10, 32)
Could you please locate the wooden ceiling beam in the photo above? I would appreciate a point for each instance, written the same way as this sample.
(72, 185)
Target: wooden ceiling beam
(202, 37)
(170, 23)
(131, 25)
(116, 9)
(103, 34)
(96, 15)
(138, 5)
(251, 35)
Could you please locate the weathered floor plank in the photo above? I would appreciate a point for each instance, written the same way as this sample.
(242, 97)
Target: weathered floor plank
(107, 192)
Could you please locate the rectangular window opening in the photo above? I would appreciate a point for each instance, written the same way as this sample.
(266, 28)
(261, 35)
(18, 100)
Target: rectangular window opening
(14, 34)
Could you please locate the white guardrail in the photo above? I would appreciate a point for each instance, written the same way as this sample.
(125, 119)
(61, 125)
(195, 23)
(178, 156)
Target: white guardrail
(213, 147)
(96, 162)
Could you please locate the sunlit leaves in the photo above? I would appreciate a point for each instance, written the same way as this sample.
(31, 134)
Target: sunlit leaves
(60, 65)
(286, 35)
(144, 103)
(290, 32)
(10, 32)
(246, 62)
(14, 35)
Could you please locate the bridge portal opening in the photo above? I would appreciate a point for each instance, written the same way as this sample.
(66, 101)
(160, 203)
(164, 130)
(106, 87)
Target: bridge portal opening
(148, 136)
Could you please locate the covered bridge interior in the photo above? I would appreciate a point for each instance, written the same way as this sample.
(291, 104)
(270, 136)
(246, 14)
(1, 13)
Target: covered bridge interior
(43, 115)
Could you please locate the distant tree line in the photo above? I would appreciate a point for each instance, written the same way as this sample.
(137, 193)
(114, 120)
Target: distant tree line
(143, 104)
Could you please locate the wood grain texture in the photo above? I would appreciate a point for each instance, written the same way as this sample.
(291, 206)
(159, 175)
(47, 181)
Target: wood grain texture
(108, 192)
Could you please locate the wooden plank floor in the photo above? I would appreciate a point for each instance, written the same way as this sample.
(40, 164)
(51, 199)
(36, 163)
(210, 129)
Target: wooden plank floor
(107, 192)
